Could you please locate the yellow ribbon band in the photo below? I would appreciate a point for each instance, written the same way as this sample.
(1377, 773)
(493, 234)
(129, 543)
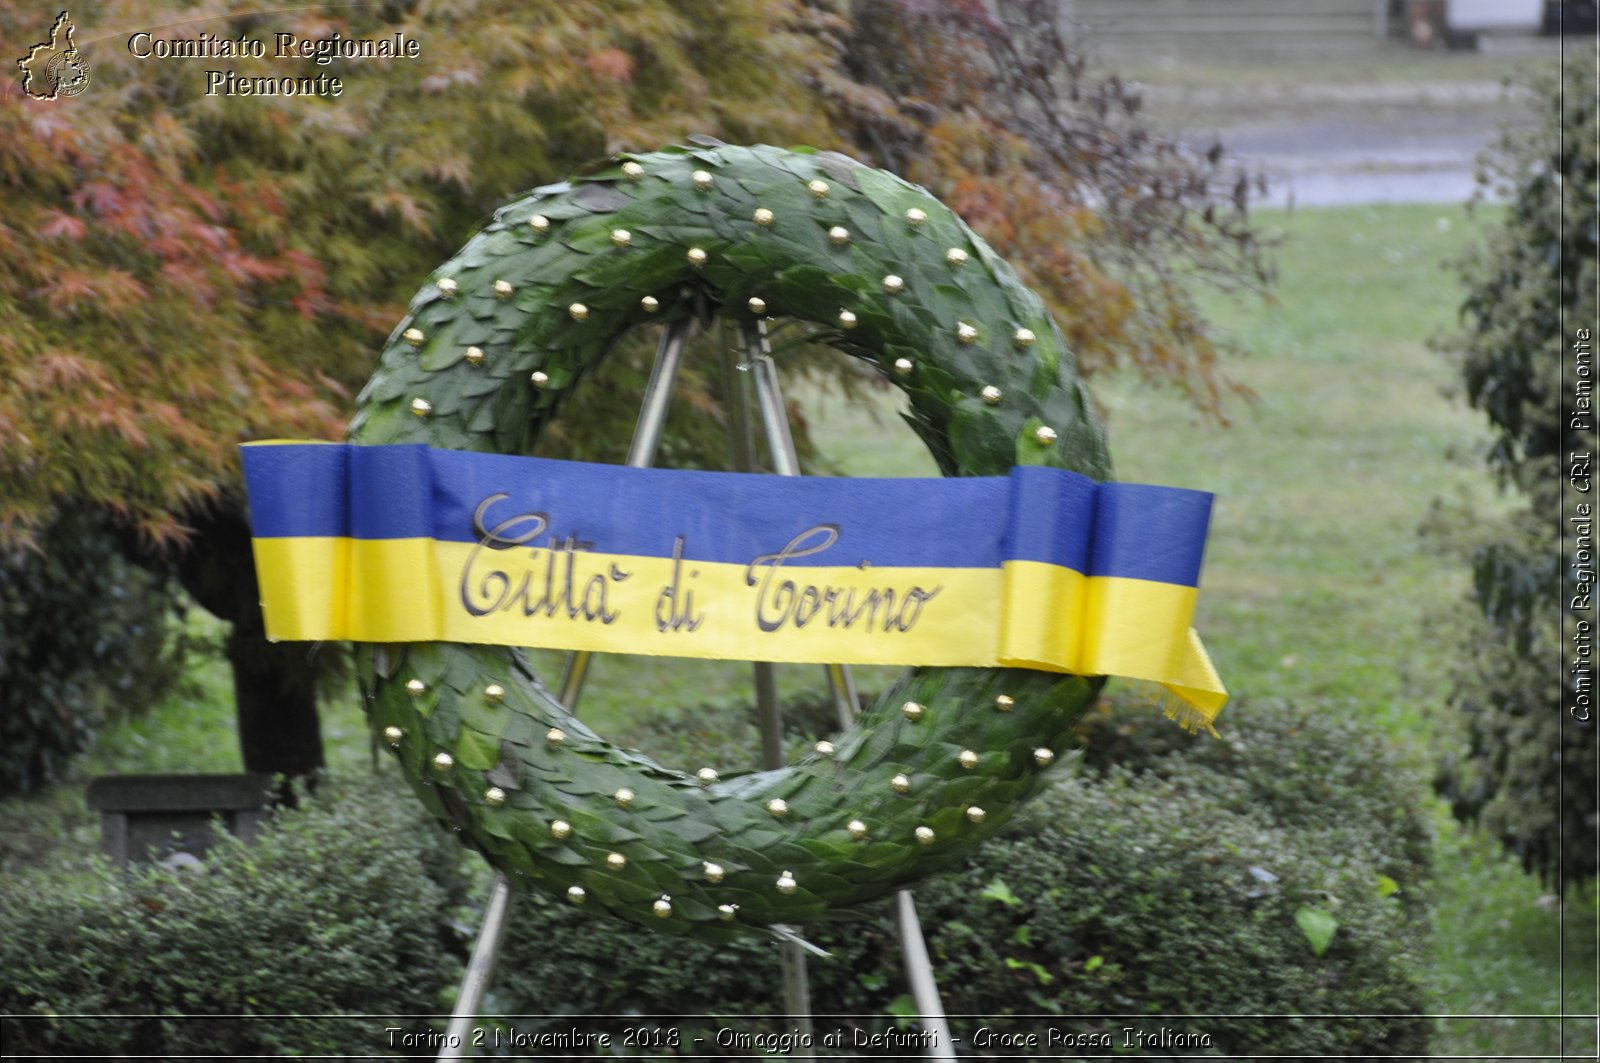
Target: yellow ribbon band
(505, 585)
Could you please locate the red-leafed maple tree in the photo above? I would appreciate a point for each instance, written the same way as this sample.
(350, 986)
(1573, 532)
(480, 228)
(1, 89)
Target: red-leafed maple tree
(181, 272)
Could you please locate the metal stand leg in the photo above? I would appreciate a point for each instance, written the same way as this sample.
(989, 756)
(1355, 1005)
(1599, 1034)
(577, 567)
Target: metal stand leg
(769, 710)
(786, 462)
(845, 700)
(458, 1036)
(919, 972)
(641, 454)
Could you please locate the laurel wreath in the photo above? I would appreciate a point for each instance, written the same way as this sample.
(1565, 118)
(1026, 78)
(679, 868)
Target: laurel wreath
(510, 325)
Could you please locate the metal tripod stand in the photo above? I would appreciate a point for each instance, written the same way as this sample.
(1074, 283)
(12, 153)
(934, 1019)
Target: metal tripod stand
(758, 373)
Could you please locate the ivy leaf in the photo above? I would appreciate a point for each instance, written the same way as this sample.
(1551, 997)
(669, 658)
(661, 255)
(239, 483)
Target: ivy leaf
(1318, 926)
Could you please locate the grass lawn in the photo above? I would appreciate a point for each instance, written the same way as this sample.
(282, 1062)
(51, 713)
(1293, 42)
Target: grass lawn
(1319, 586)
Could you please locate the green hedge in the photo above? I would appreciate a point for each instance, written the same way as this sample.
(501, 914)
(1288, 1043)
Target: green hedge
(1164, 875)
(1174, 882)
(339, 907)
(1317, 770)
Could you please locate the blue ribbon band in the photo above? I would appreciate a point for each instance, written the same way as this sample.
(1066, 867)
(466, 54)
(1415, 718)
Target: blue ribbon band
(1041, 569)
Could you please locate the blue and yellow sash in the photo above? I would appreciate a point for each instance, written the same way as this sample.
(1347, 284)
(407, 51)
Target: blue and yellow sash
(1041, 569)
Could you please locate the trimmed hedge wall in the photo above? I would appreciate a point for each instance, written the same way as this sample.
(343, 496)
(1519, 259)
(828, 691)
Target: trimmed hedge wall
(1266, 884)
(338, 907)
(1177, 881)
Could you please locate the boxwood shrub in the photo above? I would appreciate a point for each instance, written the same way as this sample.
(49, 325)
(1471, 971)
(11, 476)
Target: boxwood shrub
(1265, 885)
(339, 908)
(1319, 770)
(1261, 895)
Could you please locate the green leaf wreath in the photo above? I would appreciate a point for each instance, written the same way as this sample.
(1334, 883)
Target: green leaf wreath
(505, 330)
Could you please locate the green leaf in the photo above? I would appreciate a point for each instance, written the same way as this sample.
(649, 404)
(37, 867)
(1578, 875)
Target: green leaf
(903, 1007)
(981, 441)
(1387, 887)
(480, 752)
(999, 891)
(1093, 963)
(1044, 976)
(1318, 926)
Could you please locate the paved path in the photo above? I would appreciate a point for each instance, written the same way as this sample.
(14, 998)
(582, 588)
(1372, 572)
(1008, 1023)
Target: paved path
(1344, 160)
(1406, 141)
